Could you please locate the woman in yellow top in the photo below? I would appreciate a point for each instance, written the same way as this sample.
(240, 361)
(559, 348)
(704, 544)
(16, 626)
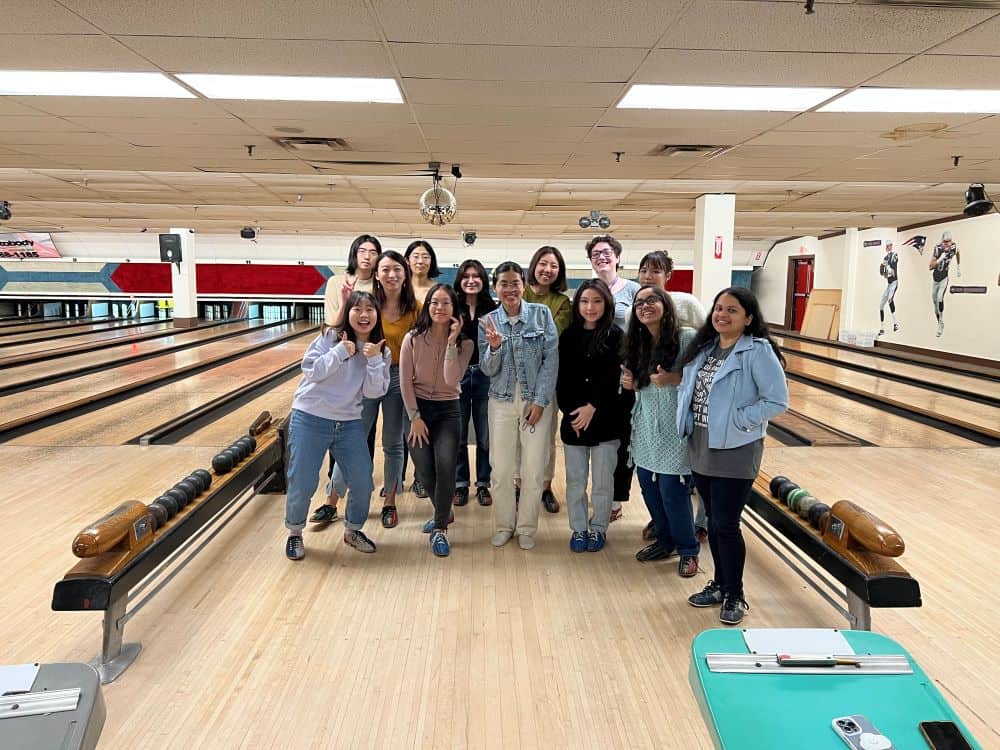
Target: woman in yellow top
(399, 308)
(547, 286)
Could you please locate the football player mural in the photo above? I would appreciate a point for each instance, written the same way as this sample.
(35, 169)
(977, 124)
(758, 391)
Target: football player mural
(944, 252)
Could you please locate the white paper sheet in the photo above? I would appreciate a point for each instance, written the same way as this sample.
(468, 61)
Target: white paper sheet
(819, 641)
(17, 678)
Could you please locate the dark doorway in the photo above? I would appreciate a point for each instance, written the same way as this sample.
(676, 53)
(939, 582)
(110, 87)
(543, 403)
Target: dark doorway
(800, 286)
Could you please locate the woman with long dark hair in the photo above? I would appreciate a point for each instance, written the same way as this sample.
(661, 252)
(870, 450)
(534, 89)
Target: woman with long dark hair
(734, 381)
(590, 400)
(399, 307)
(433, 359)
(651, 369)
(474, 302)
(423, 264)
(547, 286)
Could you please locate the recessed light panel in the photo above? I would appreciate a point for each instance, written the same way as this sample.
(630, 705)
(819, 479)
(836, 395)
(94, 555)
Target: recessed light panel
(295, 88)
(744, 98)
(986, 101)
(89, 83)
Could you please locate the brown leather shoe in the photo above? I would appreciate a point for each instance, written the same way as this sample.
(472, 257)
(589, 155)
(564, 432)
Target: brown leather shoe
(483, 496)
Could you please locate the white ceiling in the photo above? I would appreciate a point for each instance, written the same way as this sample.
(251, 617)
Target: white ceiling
(521, 94)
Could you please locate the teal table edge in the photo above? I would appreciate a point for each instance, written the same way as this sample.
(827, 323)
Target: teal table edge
(768, 711)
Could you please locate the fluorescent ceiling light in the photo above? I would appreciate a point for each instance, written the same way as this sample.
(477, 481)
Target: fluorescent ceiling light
(89, 83)
(295, 88)
(746, 98)
(984, 101)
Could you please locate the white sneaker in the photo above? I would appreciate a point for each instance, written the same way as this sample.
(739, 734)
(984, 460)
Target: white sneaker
(526, 542)
(501, 538)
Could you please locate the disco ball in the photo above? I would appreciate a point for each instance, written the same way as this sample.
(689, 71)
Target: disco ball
(438, 205)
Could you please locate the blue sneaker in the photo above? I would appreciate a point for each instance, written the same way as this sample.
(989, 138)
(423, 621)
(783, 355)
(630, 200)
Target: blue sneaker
(439, 543)
(595, 541)
(429, 526)
(578, 542)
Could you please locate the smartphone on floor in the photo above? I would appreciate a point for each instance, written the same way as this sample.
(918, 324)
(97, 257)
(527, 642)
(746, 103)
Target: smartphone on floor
(858, 732)
(944, 735)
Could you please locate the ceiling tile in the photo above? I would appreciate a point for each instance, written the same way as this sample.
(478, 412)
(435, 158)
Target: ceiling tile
(66, 52)
(42, 17)
(943, 72)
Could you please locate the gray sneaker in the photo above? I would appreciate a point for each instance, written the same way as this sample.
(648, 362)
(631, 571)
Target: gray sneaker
(734, 609)
(359, 541)
(707, 597)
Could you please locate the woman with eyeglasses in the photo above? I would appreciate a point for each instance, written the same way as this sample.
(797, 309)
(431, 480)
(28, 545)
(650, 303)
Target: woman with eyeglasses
(604, 253)
(518, 345)
(423, 267)
(473, 288)
(651, 370)
(433, 359)
(400, 308)
(547, 286)
(734, 382)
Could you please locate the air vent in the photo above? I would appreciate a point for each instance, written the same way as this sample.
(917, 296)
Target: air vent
(690, 149)
(312, 146)
(964, 4)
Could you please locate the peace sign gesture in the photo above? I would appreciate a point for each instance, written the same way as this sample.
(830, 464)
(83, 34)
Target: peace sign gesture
(493, 336)
(347, 289)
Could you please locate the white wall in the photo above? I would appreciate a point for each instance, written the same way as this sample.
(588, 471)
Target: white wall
(332, 249)
(969, 318)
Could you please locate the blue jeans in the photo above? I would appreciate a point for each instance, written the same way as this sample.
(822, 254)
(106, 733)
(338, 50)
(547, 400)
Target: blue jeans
(392, 435)
(309, 439)
(599, 461)
(668, 498)
(474, 402)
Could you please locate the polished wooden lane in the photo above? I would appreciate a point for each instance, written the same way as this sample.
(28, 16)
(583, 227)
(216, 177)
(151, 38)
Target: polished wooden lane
(49, 324)
(868, 422)
(488, 648)
(951, 409)
(889, 367)
(278, 401)
(126, 351)
(71, 333)
(17, 408)
(136, 415)
(68, 345)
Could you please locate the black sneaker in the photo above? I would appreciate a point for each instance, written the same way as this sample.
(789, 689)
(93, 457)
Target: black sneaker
(707, 597)
(653, 552)
(324, 514)
(294, 548)
(649, 532)
(734, 608)
(483, 496)
(359, 541)
(461, 497)
(418, 489)
(549, 501)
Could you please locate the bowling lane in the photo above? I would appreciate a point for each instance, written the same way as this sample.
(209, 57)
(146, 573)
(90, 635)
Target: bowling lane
(924, 373)
(118, 423)
(951, 409)
(19, 407)
(115, 355)
(68, 344)
(222, 431)
(51, 325)
(19, 336)
(868, 422)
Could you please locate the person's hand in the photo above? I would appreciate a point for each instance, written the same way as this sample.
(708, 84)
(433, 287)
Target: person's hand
(419, 435)
(373, 350)
(628, 380)
(493, 336)
(347, 290)
(349, 346)
(534, 414)
(454, 329)
(661, 378)
(581, 418)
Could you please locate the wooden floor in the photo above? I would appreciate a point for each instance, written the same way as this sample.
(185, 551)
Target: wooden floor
(488, 648)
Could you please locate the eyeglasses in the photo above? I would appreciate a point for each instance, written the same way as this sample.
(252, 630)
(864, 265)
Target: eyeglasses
(505, 285)
(606, 253)
(440, 303)
(646, 302)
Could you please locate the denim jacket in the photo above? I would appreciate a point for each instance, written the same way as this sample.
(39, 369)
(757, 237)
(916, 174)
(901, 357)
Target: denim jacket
(748, 389)
(533, 343)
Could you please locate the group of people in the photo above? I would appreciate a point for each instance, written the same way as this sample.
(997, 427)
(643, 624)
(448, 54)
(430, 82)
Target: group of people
(633, 378)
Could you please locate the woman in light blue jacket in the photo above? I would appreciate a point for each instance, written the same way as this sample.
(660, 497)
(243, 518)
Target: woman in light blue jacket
(519, 352)
(733, 383)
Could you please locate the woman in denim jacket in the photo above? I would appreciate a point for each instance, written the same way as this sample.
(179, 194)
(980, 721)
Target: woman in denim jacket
(519, 352)
(733, 383)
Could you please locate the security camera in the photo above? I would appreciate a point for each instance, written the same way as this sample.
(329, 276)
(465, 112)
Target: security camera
(977, 202)
(584, 222)
(248, 233)
(469, 238)
(456, 171)
(596, 219)
(604, 222)
(5, 211)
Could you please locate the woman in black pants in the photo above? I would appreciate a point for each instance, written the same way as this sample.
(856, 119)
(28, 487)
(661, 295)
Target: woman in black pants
(733, 383)
(433, 358)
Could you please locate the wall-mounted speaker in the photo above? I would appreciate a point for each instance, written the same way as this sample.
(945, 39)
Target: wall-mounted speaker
(170, 248)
